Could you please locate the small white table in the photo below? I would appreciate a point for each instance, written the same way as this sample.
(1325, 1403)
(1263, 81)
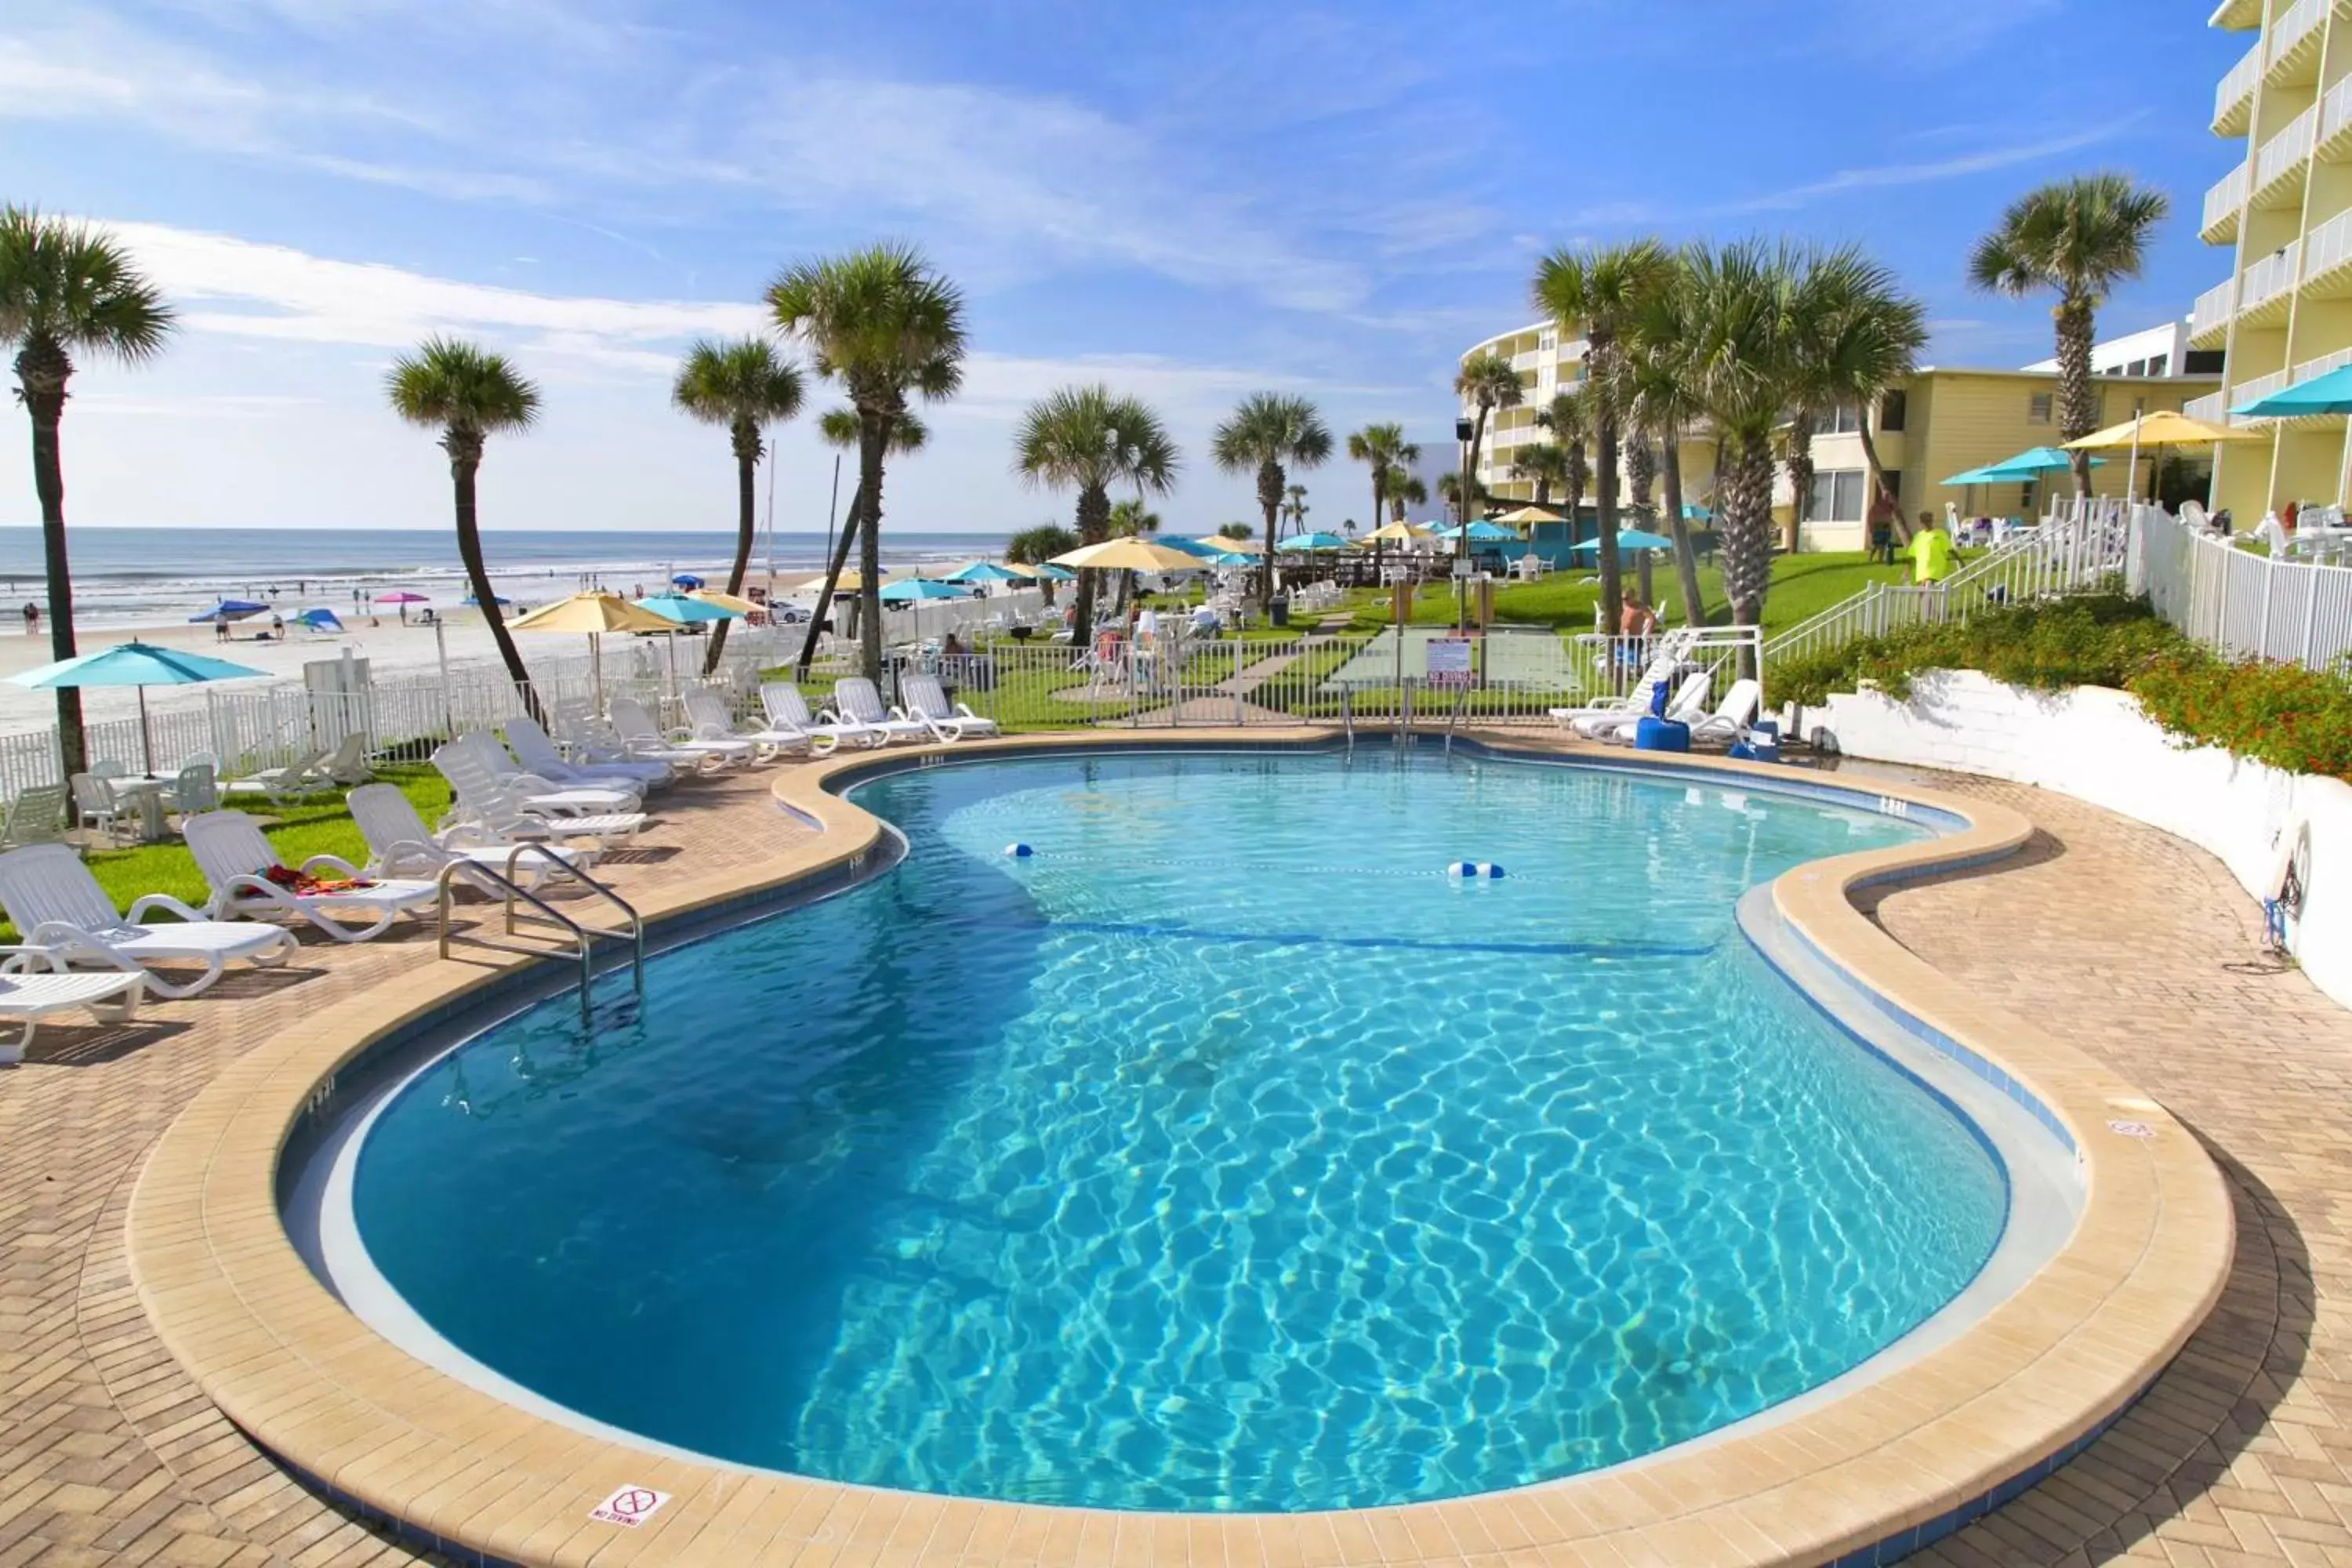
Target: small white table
(145, 791)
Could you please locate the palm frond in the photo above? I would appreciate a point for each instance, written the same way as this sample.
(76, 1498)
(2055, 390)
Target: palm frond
(1089, 437)
(1271, 428)
(76, 288)
(449, 383)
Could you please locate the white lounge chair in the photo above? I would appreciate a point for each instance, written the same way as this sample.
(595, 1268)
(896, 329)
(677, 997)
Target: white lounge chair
(538, 756)
(236, 859)
(590, 738)
(297, 781)
(1666, 656)
(713, 722)
(855, 701)
(542, 793)
(927, 702)
(1687, 706)
(1732, 716)
(35, 983)
(37, 815)
(482, 804)
(400, 845)
(58, 906)
(638, 727)
(346, 762)
(788, 711)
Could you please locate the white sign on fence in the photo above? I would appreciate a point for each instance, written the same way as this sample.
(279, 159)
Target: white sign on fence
(1448, 662)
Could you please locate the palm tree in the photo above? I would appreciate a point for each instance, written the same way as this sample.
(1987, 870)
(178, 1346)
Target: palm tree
(1087, 438)
(1745, 364)
(1405, 492)
(745, 386)
(886, 326)
(1859, 339)
(67, 289)
(1487, 381)
(1131, 518)
(1295, 508)
(2079, 237)
(469, 394)
(1600, 292)
(838, 428)
(1235, 530)
(1661, 402)
(1267, 435)
(1383, 449)
(1542, 464)
(1449, 490)
(1035, 546)
(1569, 418)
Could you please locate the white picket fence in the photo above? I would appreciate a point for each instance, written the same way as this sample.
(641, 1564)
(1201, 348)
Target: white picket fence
(2244, 604)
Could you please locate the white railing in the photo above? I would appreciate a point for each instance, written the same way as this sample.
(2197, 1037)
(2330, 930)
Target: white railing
(2240, 83)
(2329, 245)
(2311, 369)
(2261, 386)
(1526, 359)
(2244, 604)
(2335, 109)
(2210, 409)
(2222, 202)
(2295, 27)
(2288, 151)
(2271, 276)
(2078, 546)
(2212, 308)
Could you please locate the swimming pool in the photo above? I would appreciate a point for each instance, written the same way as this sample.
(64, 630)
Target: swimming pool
(1223, 1153)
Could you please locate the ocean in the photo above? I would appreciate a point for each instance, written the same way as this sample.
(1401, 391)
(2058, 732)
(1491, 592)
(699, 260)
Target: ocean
(147, 576)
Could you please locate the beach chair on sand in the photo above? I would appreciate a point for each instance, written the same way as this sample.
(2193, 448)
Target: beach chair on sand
(35, 982)
(483, 802)
(247, 878)
(57, 907)
(400, 845)
(926, 703)
(855, 701)
(539, 757)
(788, 712)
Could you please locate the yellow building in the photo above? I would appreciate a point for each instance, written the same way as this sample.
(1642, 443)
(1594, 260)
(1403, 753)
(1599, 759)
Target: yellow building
(2284, 312)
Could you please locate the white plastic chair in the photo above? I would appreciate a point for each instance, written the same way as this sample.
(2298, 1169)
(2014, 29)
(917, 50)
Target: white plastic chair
(637, 727)
(926, 703)
(544, 793)
(855, 701)
(539, 757)
(235, 857)
(788, 711)
(400, 845)
(1687, 706)
(711, 722)
(57, 907)
(95, 806)
(482, 801)
(35, 984)
(37, 815)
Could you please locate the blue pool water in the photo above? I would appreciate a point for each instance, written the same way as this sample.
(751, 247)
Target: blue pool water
(1225, 1155)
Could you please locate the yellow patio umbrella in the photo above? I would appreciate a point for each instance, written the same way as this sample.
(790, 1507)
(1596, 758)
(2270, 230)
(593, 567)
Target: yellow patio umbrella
(725, 601)
(592, 615)
(1128, 555)
(1396, 533)
(1527, 514)
(2159, 429)
(1234, 546)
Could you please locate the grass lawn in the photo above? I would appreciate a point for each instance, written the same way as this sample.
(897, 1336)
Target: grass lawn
(319, 827)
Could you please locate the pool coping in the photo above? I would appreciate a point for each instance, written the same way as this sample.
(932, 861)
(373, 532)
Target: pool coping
(1865, 1480)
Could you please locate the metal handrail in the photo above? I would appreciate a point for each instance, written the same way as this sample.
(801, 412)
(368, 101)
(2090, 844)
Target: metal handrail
(583, 935)
(579, 874)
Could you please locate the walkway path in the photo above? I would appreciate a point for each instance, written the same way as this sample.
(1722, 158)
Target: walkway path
(2136, 945)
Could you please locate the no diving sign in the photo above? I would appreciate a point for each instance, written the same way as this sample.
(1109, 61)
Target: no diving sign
(629, 1507)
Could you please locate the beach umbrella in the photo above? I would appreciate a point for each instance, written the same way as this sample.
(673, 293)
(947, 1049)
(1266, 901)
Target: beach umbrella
(849, 582)
(915, 588)
(681, 611)
(592, 615)
(1477, 531)
(2158, 430)
(137, 664)
(686, 580)
(1204, 548)
(1128, 554)
(1052, 572)
(2328, 393)
(1627, 539)
(402, 597)
(734, 602)
(322, 620)
(1396, 533)
(1236, 546)
(228, 610)
(473, 603)
(1693, 513)
(1530, 514)
(1303, 543)
(985, 571)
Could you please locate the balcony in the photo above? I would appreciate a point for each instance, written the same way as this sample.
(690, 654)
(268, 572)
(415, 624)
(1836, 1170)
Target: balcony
(2209, 319)
(2281, 166)
(2327, 252)
(2268, 285)
(2224, 203)
(2293, 57)
(2234, 102)
(2313, 369)
(2210, 410)
(2236, 16)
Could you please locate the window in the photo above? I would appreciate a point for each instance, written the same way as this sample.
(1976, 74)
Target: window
(2160, 365)
(1893, 409)
(2037, 408)
(1843, 420)
(1837, 495)
(1548, 343)
(2203, 361)
(2137, 367)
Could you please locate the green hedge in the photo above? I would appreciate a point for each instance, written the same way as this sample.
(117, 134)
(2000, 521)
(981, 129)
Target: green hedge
(2283, 714)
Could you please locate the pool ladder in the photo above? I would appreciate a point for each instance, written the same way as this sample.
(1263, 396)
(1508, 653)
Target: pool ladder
(584, 936)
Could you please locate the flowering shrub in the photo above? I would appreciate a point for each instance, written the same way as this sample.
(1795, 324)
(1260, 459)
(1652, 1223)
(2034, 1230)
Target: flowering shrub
(2289, 717)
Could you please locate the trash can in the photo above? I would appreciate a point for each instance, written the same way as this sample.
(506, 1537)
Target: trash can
(1653, 734)
(1277, 612)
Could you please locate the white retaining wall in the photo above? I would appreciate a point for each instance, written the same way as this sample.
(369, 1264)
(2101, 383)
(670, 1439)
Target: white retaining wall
(2097, 745)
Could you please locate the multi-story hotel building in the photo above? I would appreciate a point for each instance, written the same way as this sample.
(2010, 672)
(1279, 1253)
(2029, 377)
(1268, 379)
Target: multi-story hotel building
(2284, 314)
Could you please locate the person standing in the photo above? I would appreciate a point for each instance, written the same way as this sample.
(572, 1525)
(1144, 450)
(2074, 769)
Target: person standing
(32, 619)
(1882, 534)
(1931, 552)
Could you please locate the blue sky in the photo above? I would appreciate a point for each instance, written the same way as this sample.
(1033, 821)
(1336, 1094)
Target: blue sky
(1191, 202)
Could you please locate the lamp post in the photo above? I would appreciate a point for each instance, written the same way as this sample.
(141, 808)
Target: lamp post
(1464, 433)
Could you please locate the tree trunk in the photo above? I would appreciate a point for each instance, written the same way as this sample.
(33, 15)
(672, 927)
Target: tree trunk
(464, 459)
(1679, 529)
(1613, 587)
(1380, 494)
(1875, 485)
(1094, 527)
(45, 399)
(2078, 398)
(832, 575)
(1270, 483)
(1746, 525)
(873, 439)
(1800, 479)
(747, 520)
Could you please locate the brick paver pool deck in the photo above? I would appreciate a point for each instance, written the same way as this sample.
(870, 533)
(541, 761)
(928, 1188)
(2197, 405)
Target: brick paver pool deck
(2114, 937)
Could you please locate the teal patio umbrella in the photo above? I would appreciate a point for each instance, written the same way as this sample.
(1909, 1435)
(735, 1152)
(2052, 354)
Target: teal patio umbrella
(1206, 549)
(137, 663)
(981, 571)
(1478, 530)
(1303, 543)
(2328, 393)
(1627, 539)
(916, 588)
